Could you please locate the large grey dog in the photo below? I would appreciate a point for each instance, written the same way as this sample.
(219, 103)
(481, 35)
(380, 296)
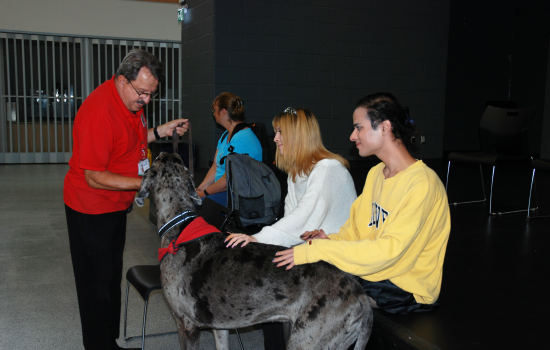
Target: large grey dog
(210, 286)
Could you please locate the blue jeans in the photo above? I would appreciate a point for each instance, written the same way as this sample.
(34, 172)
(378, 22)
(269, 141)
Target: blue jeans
(220, 198)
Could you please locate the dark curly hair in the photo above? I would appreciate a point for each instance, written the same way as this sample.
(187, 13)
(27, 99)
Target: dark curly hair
(383, 106)
(137, 59)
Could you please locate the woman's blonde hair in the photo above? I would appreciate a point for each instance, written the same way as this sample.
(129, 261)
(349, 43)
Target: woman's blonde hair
(302, 143)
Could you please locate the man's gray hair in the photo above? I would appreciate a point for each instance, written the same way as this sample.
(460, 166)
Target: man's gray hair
(137, 59)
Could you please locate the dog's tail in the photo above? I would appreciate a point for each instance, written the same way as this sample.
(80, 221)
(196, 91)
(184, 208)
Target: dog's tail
(365, 326)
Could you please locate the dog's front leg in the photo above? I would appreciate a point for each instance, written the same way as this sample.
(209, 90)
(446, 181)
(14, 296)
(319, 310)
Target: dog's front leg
(222, 339)
(189, 335)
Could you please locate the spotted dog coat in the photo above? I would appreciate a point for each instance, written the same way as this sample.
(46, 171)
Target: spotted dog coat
(210, 286)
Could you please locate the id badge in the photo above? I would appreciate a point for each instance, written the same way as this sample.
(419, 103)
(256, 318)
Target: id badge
(143, 166)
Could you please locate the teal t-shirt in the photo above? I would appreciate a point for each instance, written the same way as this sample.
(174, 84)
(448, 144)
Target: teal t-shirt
(244, 142)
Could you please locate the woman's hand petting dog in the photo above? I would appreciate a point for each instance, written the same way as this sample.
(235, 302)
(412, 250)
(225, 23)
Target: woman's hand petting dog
(286, 257)
(236, 238)
(316, 234)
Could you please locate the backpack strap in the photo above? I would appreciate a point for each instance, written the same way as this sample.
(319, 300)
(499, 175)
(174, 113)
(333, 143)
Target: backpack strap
(231, 150)
(237, 128)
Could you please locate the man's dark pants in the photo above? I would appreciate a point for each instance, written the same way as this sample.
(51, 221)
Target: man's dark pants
(97, 243)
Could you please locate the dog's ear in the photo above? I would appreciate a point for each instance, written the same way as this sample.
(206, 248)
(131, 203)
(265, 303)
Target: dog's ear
(146, 182)
(192, 191)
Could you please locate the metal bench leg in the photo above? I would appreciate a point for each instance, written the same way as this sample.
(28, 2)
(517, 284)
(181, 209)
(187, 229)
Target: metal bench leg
(144, 321)
(482, 187)
(126, 309)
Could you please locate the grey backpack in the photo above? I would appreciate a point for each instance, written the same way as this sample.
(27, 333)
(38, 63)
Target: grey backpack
(253, 191)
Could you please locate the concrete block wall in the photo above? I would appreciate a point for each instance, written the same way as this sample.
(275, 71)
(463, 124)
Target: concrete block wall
(325, 55)
(545, 142)
(198, 67)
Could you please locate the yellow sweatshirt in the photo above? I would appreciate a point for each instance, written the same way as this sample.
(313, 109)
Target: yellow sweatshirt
(398, 230)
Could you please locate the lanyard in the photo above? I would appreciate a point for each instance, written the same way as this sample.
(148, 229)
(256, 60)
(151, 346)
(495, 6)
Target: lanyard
(142, 131)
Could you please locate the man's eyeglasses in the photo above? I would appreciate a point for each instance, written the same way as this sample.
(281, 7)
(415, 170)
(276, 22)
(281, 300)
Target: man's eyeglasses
(151, 95)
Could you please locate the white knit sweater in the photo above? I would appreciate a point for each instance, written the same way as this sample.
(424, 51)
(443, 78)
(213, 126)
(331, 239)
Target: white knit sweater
(320, 201)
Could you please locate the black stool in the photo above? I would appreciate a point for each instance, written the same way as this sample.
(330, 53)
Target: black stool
(145, 278)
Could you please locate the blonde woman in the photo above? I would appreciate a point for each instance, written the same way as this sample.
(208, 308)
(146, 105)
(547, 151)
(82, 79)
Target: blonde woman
(320, 187)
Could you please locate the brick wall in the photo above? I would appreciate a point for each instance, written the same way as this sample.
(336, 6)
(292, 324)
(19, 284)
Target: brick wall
(322, 55)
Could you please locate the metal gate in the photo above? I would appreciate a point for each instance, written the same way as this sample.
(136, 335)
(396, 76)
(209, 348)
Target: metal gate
(45, 78)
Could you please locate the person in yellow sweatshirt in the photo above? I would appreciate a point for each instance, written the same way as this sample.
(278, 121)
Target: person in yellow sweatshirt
(396, 236)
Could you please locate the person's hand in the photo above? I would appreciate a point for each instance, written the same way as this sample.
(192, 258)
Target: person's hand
(174, 124)
(286, 257)
(236, 238)
(200, 193)
(316, 234)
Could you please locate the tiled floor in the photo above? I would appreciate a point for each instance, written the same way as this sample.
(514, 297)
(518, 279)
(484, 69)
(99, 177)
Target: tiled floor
(38, 306)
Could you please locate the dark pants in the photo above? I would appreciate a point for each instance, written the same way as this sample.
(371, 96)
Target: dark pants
(393, 299)
(97, 244)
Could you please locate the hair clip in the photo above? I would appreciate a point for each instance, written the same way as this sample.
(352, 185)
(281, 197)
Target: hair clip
(240, 103)
(408, 114)
(290, 110)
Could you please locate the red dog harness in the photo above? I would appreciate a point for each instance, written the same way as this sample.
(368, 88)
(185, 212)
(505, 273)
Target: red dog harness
(195, 229)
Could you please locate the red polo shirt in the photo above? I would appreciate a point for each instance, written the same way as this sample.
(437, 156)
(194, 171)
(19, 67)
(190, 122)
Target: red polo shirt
(106, 136)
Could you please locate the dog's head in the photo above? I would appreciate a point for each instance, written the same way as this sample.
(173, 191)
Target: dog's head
(168, 175)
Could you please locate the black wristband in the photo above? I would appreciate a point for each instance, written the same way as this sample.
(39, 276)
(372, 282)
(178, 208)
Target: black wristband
(205, 193)
(157, 136)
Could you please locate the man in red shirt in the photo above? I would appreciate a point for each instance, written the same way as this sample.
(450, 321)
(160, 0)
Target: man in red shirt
(109, 154)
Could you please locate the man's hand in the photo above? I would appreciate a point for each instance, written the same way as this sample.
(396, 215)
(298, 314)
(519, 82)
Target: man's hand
(200, 193)
(316, 234)
(170, 126)
(168, 129)
(286, 257)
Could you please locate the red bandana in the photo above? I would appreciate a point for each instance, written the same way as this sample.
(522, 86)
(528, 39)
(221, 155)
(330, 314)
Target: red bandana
(196, 228)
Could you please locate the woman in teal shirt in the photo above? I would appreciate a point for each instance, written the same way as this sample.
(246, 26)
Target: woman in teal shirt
(228, 111)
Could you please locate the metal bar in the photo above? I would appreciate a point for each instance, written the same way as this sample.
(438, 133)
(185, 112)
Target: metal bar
(24, 98)
(62, 99)
(511, 212)
(72, 93)
(491, 198)
(54, 77)
(47, 92)
(144, 321)
(87, 73)
(40, 92)
(113, 56)
(16, 70)
(180, 87)
(175, 115)
(530, 192)
(126, 309)
(105, 77)
(3, 109)
(447, 182)
(98, 65)
(32, 97)
(165, 84)
(10, 112)
(153, 335)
